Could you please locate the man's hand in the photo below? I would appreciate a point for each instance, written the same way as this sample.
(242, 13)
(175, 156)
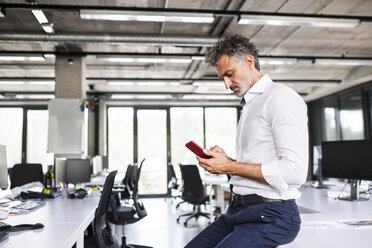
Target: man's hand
(220, 163)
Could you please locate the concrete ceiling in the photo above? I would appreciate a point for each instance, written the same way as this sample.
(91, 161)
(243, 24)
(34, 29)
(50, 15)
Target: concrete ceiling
(302, 46)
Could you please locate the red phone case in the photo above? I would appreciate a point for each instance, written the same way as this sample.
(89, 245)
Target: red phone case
(195, 148)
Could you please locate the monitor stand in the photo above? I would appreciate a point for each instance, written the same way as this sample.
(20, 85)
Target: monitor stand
(354, 192)
(320, 184)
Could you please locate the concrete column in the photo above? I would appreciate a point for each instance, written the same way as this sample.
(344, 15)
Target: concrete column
(70, 77)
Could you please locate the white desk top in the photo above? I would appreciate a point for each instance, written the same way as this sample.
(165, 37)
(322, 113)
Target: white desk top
(64, 221)
(315, 231)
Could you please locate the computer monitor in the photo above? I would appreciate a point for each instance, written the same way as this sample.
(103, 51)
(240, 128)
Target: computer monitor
(60, 170)
(348, 160)
(3, 168)
(78, 170)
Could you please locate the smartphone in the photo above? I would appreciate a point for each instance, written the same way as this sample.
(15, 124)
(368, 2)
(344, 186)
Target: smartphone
(195, 148)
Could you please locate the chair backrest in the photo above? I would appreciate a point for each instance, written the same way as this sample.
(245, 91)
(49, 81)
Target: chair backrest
(192, 183)
(26, 173)
(102, 231)
(172, 178)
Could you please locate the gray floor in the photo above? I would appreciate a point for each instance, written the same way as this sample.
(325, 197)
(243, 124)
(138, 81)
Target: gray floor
(160, 229)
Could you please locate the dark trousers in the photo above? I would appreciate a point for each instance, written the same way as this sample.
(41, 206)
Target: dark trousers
(267, 224)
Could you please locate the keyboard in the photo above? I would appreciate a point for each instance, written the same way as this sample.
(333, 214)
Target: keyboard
(28, 205)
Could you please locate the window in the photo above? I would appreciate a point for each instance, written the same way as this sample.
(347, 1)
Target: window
(37, 133)
(152, 145)
(220, 129)
(331, 126)
(11, 122)
(120, 137)
(351, 116)
(186, 124)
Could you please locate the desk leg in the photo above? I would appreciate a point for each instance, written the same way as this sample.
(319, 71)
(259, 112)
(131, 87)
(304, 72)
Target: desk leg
(211, 204)
(221, 198)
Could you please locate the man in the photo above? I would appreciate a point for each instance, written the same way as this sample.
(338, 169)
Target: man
(272, 154)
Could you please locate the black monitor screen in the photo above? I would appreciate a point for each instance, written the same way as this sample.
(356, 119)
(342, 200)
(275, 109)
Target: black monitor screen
(3, 168)
(347, 159)
(78, 170)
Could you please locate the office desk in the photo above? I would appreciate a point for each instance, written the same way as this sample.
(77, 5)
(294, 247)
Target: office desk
(221, 182)
(315, 231)
(65, 221)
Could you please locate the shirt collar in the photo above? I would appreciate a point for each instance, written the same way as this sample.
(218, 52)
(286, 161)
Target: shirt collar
(260, 85)
(258, 88)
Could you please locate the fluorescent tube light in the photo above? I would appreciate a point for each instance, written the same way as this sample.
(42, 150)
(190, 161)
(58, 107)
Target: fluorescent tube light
(277, 61)
(31, 96)
(2, 12)
(345, 62)
(46, 82)
(146, 16)
(298, 21)
(144, 59)
(48, 28)
(143, 96)
(210, 97)
(40, 17)
(142, 83)
(197, 57)
(11, 82)
(214, 85)
(22, 58)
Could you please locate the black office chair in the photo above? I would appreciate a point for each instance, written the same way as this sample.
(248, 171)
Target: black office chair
(102, 235)
(193, 192)
(22, 174)
(127, 211)
(173, 184)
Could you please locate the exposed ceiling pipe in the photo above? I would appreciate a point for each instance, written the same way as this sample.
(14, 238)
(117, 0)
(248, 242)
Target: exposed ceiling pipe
(117, 39)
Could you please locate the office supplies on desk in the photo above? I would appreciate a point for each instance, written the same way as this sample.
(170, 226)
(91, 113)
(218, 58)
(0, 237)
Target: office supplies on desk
(30, 194)
(25, 206)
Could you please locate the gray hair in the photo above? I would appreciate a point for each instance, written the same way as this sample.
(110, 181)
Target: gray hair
(235, 45)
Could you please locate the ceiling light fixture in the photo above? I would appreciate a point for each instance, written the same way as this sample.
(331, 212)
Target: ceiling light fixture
(345, 62)
(43, 20)
(277, 61)
(143, 59)
(48, 28)
(22, 58)
(278, 20)
(2, 12)
(40, 17)
(32, 96)
(146, 16)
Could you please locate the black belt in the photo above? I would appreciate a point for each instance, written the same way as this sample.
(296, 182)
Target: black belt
(252, 199)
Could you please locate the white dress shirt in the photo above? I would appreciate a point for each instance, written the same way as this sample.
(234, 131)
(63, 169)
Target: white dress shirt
(272, 131)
